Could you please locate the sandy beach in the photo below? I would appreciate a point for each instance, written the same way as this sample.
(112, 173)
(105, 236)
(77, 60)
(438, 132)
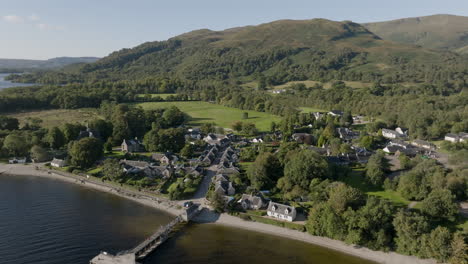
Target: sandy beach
(208, 217)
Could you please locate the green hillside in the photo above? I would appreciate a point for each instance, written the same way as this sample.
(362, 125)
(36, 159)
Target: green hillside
(281, 51)
(444, 32)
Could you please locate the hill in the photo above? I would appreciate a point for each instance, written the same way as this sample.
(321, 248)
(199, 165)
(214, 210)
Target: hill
(443, 32)
(280, 51)
(43, 64)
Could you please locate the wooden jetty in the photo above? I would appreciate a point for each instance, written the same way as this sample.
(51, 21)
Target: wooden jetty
(149, 245)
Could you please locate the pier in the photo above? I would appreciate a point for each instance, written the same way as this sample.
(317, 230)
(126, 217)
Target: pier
(150, 244)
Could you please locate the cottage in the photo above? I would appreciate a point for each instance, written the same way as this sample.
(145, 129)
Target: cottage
(256, 140)
(165, 158)
(252, 202)
(392, 134)
(281, 211)
(347, 134)
(303, 138)
(132, 145)
(456, 138)
(336, 113)
(223, 186)
(58, 163)
(89, 133)
(423, 144)
(318, 115)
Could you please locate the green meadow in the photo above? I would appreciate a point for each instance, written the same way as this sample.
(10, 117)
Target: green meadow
(204, 112)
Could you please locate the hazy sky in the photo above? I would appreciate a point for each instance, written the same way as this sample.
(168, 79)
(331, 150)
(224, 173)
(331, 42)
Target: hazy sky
(40, 29)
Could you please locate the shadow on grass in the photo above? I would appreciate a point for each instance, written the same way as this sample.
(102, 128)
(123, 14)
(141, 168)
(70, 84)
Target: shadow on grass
(197, 121)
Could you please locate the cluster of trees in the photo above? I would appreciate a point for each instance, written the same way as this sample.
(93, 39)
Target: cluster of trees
(344, 213)
(245, 128)
(121, 122)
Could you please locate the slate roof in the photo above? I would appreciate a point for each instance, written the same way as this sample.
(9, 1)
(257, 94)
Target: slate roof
(281, 209)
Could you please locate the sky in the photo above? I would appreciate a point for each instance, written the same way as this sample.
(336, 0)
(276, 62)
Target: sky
(42, 29)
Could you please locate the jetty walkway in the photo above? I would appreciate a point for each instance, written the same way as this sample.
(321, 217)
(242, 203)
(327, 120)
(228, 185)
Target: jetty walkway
(150, 244)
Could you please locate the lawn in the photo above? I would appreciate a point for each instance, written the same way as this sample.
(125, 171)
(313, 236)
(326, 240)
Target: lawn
(204, 112)
(356, 180)
(58, 117)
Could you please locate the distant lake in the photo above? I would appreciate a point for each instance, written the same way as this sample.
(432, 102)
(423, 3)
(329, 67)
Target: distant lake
(7, 84)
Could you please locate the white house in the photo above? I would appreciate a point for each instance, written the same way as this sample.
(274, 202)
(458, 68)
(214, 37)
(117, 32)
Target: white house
(281, 211)
(335, 113)
(456, 138)
(389, 133)
(58, 163)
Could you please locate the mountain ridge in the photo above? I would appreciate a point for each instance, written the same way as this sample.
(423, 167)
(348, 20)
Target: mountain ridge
(440, 31)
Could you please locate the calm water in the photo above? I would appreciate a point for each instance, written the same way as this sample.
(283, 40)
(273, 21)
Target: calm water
(45, 221)
(8, 84)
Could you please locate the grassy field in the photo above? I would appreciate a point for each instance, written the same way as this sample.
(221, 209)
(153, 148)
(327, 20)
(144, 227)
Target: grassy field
(163, 96)
(356, 180)
(57, 117)
(203, 112)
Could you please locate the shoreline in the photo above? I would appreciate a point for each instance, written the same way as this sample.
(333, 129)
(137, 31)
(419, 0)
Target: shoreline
(208, 217)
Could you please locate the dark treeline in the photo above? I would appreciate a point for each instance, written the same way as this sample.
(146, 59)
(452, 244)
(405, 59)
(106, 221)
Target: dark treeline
(79, 95)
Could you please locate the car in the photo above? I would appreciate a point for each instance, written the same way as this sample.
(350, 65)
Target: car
(188, 204)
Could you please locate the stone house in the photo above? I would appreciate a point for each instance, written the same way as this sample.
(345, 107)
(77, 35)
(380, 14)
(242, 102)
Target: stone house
(132, 145)
(303, 138)
(252, 202)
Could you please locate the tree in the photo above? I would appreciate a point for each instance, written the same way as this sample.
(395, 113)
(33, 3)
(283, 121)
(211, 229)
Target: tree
(410, 228)
(324, 221)
(8, 123)
(371, 225)
(300, 169)
(265, 171)
(273, 126)
(55, 138)
(459, 249)
(440, 204)
(245, 115)
(103, 127)
(437, 244)
(342, 196)
(405, 161)
(237, 126)
(171, 139)
(39, 154)
(207, 128)
(366, 142)
(111, 170)
(71, 131)
(108, 145)
(85, 152)
(417, 183)
(187, 151)
(216, 201)
(375, 168)
(249, 129)
(174, 117)
(16, 144)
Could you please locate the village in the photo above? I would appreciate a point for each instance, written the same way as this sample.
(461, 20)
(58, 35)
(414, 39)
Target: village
(215, 174)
